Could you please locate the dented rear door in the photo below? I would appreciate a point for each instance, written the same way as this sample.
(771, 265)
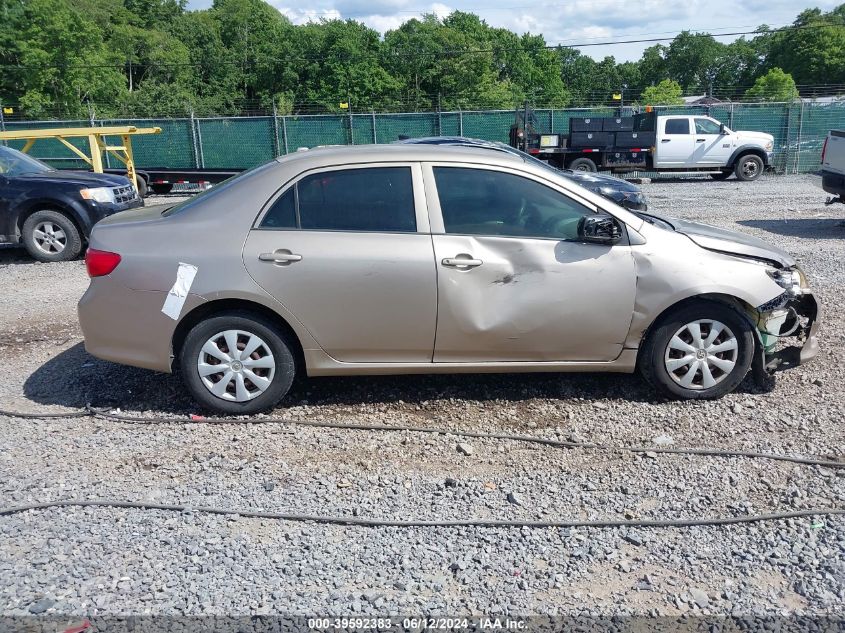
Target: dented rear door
(536, 296)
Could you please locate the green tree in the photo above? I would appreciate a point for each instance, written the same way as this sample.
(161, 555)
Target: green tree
(738, 65)
(667, 92)
(815, 53)
(342, 61)
(453, 61)
(652, 65)
(64, 63)
(692, 59)
(775, 85)
(530, 67)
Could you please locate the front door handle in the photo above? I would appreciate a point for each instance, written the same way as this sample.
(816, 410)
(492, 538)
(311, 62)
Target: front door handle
(666, 140)
(281, 257)
(700, 140)
(461, 262)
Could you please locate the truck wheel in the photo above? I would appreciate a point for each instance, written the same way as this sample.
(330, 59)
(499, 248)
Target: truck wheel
(143, 188)
(723, 175)
(162, 188)
(748, 167)
(583, 164)
(51, 236)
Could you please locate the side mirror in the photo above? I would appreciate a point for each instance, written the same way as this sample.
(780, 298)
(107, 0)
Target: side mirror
(722, 129)
(599, 228)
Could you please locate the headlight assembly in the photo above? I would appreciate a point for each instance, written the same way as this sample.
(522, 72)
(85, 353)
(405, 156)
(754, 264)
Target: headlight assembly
(98, 194)
(792, 280)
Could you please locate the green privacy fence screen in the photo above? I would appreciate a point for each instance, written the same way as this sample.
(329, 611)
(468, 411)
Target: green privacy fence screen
(240, 142)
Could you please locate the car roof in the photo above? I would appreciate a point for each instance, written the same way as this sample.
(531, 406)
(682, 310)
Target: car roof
(340, 154)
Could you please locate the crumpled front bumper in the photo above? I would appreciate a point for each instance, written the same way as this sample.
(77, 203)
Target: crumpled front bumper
(792, 319)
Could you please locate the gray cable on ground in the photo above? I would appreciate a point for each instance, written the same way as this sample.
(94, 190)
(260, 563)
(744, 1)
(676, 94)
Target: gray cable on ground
(484, 523)
(359, 426)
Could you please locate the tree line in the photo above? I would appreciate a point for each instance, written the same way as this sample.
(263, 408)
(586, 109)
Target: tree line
(156, 58)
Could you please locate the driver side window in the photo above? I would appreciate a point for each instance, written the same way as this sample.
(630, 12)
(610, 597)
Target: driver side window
(485, 202)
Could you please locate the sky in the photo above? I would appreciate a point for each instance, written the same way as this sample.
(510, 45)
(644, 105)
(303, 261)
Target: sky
(569, 22)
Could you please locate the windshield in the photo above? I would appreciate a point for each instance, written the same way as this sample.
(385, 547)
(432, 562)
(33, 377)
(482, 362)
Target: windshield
(15, 163)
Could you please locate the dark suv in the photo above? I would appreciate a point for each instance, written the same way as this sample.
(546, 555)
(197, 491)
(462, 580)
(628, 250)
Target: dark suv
(52, 212)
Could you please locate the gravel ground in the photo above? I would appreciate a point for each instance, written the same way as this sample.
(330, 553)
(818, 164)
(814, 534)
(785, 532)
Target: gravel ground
(108, 561)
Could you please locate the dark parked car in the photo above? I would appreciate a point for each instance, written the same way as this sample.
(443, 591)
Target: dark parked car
(52, 212)
(622, 192)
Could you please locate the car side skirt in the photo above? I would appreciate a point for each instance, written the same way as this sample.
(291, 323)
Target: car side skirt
(319, 363)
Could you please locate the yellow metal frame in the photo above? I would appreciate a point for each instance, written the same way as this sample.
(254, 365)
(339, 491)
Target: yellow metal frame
(97, 143)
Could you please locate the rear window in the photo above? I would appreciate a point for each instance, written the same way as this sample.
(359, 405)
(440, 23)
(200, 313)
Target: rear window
(677, 126)
(375, 199)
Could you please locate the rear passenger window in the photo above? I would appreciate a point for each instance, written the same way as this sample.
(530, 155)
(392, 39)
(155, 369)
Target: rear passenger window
(677, 126)
(376, 199)
(282, 215)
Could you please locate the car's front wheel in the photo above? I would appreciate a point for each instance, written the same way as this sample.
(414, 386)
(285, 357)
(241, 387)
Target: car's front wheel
(237, 363)
(700, 351)
(51, 236)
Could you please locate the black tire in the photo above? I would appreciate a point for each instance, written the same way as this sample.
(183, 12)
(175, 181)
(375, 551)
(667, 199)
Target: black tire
(748, 167)
(143, 188)
(653, 357)
(724, 175)
(64, 244)
(583, 164)
(161, 188)
(245, 322)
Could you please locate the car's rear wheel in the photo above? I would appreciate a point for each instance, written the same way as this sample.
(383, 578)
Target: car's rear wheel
(583, 164)
(237, 363)
(749, 167)
(700, 351)
(51, 236)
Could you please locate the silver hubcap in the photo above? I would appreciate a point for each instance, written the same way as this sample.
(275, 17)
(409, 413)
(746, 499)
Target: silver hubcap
(49, 238)
(701, 354)
(236, 365)
(750, 168)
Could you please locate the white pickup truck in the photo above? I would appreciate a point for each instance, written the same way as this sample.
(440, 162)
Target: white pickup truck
(651, 142)
(833, 165)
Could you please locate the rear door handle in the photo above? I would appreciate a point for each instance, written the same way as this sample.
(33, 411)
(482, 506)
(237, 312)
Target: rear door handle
(666, 140)
(280, 256)
(461, 262)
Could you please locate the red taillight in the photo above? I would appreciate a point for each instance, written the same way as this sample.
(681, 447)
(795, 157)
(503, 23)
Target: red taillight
(100, 263)
(824, 149)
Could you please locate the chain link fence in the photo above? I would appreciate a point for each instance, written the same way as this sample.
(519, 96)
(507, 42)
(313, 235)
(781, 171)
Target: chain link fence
(244, 141)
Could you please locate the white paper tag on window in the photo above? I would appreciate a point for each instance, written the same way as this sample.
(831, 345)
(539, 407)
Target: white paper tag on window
(179, 292)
